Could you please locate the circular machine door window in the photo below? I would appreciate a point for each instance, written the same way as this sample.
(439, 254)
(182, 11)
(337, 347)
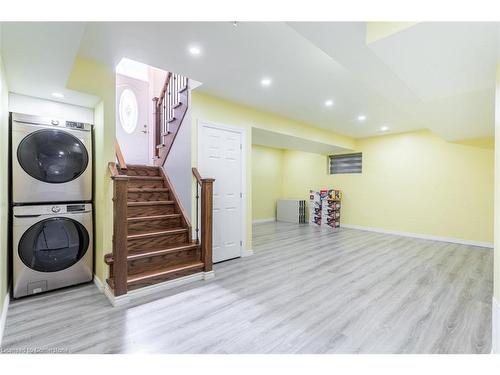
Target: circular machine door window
(52, 156)
(53, 244)
(128, 111)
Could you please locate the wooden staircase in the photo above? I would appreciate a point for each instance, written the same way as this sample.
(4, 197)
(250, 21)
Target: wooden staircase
(152, 235)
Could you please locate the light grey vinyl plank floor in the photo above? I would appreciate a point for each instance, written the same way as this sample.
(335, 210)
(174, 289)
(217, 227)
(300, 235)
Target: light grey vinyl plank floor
(306, 290)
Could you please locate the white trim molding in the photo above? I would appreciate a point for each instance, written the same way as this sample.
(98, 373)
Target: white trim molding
(246, 253)
(421, 236)
(151, 289)
(99, 284)
(495, 327)
(3, 316)
(261, 221)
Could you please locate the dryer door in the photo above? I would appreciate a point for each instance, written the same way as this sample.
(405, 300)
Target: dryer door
(52, 156)
(53, 244)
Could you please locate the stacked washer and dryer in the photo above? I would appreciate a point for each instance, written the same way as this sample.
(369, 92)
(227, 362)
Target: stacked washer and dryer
(51, 203)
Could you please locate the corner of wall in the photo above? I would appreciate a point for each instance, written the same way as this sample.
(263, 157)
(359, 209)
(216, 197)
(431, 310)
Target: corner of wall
(99, 79)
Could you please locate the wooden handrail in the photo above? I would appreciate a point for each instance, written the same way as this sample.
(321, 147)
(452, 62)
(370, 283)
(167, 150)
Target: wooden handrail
(164, 89)
(119, 156)
(197, 175)
(120, 230)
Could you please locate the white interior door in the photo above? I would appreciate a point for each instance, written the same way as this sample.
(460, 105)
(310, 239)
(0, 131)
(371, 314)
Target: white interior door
(132, 107)
(220, 157)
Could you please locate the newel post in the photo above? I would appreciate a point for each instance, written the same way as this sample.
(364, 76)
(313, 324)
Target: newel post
(207, 185)
(120, 232)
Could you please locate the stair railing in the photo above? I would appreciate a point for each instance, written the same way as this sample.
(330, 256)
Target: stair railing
(119, 156)
(120, 228)
(171, 97)
(204, 236)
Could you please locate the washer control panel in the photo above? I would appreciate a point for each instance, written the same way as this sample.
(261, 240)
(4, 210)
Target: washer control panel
(52, 209)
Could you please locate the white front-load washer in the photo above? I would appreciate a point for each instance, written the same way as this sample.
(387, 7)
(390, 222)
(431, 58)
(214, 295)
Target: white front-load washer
(52, 247)
(51, 160)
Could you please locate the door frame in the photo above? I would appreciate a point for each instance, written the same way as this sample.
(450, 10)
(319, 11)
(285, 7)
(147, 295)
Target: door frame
(243, 133)
(149, 116)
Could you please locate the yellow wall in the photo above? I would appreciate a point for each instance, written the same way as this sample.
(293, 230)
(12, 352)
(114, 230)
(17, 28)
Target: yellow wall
(223, 112)
(267, 181)
(99, 80)
(4, 120)
(412, 182)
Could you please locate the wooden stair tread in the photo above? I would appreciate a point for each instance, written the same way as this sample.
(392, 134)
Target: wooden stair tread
(153, 178)
(148, 190)
(156, 233)
(187, 266)
(108, 258)
(142, 166)
(153, 217)
(149, 203)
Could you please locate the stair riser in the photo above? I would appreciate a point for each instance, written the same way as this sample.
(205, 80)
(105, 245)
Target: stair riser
(158, 262)
(142, 171)
(160, 279)
(148, 197)
(162, 209)
(150, 225)
(157, 242)
(145, 183)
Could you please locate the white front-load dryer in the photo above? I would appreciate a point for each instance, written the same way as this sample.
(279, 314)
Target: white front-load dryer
(52, 247)
(51, 160)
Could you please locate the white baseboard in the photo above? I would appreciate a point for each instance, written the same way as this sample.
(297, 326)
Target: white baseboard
(116, 300)
(99, 284)
(246, 253)
(208, 275)
(151, 289)
(495, 327)
(3, 316)
(422, 236)
(261, 221)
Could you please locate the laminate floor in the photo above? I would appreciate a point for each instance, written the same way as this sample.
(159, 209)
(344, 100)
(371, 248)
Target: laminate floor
(305, 290)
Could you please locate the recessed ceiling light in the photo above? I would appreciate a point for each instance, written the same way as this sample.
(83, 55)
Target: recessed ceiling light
(361, 118)
(329, 103)
(384, 128)
(57, 95)
(194, 50)
(266, 81)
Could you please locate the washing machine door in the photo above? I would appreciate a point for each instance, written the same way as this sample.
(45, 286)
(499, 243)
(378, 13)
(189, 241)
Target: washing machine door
(52, 156)
(53, 244)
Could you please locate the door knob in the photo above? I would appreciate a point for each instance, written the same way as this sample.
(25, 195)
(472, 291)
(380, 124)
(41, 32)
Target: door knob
(145, 130)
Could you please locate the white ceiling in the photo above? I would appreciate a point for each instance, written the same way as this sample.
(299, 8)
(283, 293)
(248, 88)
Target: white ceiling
(439, 76)
(38, 59)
